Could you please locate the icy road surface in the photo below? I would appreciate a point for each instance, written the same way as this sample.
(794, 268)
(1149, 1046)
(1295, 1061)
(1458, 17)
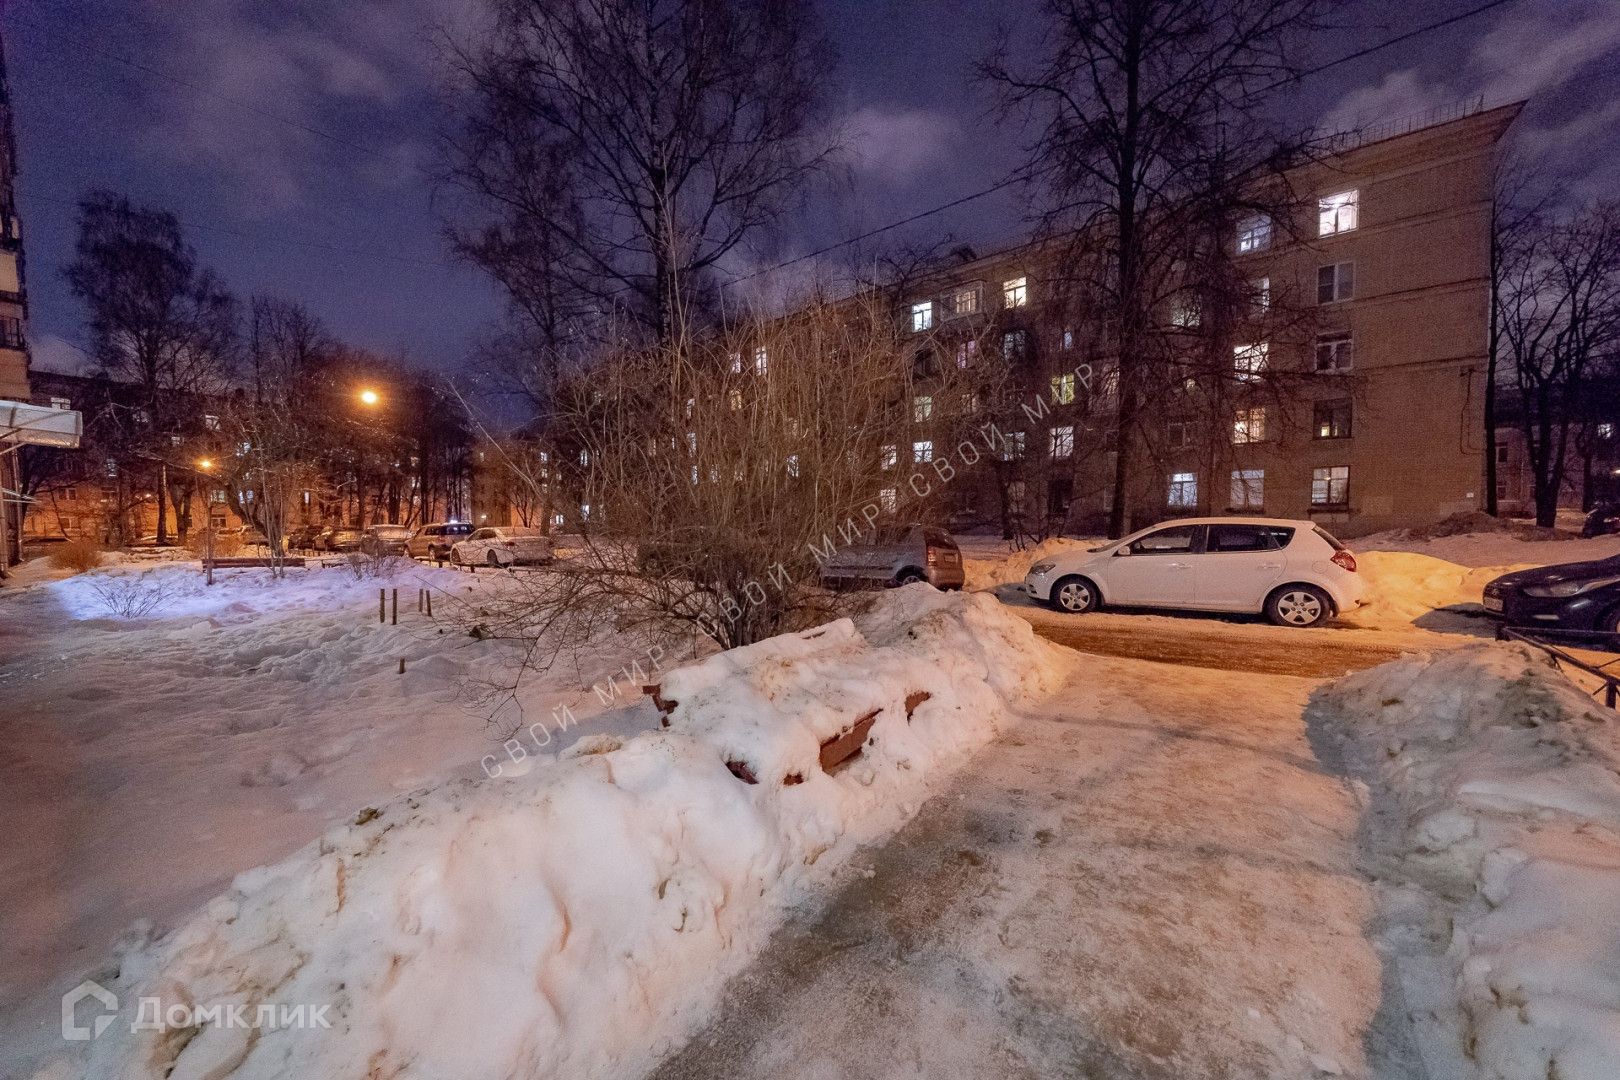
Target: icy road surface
(1151, 877)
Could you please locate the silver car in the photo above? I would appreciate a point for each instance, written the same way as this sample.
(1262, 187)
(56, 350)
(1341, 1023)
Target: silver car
(897, 555)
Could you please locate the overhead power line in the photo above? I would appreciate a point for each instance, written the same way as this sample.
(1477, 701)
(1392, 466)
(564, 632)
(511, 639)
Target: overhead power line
(1022, 175)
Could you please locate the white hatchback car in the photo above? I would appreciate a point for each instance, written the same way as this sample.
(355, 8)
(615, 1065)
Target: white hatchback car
(1293, 571)
(502, 546)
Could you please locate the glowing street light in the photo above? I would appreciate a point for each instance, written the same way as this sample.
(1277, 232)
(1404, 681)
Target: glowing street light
(205, 464)
(369, 396)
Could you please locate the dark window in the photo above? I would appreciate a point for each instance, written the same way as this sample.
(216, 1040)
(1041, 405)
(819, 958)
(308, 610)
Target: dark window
(1178, 539)
(1332, 419)
(1239, 538)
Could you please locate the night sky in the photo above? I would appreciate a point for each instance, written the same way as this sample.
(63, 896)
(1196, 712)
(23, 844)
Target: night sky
(295, 139)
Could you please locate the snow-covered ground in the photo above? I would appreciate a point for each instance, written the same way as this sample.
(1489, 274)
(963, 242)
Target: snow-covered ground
(144, 762)
(564, 919)
(1494, 828)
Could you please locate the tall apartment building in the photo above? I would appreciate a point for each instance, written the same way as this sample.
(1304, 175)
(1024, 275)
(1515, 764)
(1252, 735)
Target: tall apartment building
(13, 311)
(1381, 420)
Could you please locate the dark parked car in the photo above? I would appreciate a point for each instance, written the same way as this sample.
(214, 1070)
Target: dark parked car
(1604, 520)
(1572, 596)
(898, 555)
(303, 537)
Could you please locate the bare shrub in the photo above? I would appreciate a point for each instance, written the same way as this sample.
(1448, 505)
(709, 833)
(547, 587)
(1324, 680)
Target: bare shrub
(368, 567)
(134, 596)
(77, 556)
(226, 544)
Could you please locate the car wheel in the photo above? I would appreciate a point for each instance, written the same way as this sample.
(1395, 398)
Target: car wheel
(1298, 605)
(1075, 595)
(494, 560)
(909, 577)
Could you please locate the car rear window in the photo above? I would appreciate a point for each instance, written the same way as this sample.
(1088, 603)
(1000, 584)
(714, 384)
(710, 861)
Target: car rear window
(1329, 537)
(939, 538)
(457, 529)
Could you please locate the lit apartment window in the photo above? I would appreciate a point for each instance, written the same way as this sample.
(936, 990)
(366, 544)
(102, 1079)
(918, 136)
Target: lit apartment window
(1063, 442)
(922, 408)
(1250, 425)
(1012, 446)
(1331, 419)
(971, 402)
(888, 500)
(1184, 312)
(1335, 282)
(61, 403)
(1605, 431)
(1254, 234)
(762, 361)
(965, 301)
(174, 440)
(1338, 213)
(966, 352)
(922, 451)
(922, 316)
(1014, 345)
(584, 457)
(1248, 489)
(1330, 486)
(793, 465)
(1014, 292)
(691, 442)
(306, 498)
(736, 365)
(211, 422)
(1183, 490)
(1067, 340)
(695, 476)
(217, 495)
(584, 511)
(890, 456)
(1249, 361)
(1261, 291)
(1063, 389)
(735, 398)
(1334, 352)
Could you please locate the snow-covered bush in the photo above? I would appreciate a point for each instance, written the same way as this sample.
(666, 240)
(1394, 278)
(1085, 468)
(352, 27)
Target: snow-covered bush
(133, 596)
(1496, 803)
(579, 918)
(368, 567)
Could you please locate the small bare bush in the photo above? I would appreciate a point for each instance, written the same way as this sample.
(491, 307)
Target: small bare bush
(133, 596)
(226, 544)
(365, 567)
(77, 556)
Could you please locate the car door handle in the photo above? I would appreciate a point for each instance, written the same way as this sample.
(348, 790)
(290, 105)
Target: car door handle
(1271, 566)
(1180, 566)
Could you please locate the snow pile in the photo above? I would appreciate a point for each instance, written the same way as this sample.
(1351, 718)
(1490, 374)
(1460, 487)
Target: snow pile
(1497, 807)
(1010, 568)
(1402, 587)
(578, 918)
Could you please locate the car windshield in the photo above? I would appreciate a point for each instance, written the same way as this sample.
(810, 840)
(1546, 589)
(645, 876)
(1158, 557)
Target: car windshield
(520, 534)
(393, 532)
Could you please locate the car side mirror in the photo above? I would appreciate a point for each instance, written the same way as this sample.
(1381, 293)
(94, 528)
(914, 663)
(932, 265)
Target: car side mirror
(1122, 551)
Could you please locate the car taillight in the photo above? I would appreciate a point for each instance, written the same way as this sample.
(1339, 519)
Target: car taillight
(513, 543)
(930, 556)
(1346, 560)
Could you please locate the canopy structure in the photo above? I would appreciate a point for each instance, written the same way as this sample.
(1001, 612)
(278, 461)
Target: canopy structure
(22, 424)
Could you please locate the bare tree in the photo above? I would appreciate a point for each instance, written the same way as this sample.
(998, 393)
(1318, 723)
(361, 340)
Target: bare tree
(709, 518)
(1145, 114)
(1560, 320)
(619, 149)
(157, 321)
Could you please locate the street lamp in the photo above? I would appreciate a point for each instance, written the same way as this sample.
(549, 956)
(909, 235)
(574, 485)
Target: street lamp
(205, 464)
(369, 396)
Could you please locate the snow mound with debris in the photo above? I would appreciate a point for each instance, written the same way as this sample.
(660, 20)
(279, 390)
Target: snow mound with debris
(1496, 804)
(579, 919)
